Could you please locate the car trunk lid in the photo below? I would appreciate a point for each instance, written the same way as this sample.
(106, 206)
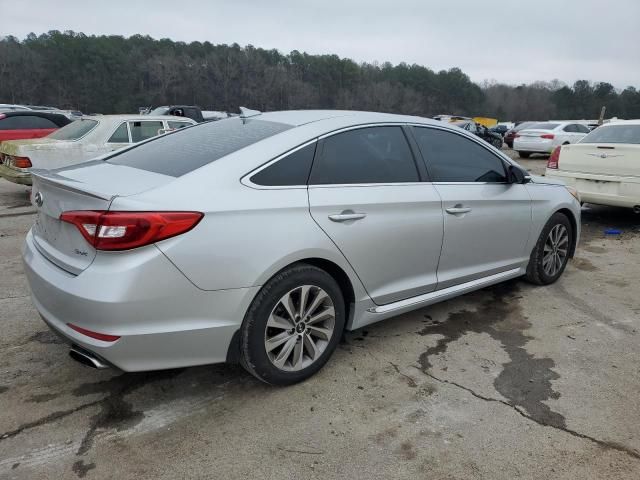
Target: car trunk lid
(87, 188)
(606, 159)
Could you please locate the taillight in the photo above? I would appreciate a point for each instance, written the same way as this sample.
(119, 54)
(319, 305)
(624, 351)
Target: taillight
(17, 162)
(127, 230)
(554, 159)
(548, 136)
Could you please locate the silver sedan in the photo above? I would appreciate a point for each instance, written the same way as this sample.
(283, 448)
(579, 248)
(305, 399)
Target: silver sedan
(261, 238)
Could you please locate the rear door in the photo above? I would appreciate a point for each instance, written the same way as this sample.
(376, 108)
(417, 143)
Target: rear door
(366, 193)
(486, 220)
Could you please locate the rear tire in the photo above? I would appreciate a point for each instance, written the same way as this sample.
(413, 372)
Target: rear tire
(292, 326)
(497, 143)
(524, 154)
(550, 255)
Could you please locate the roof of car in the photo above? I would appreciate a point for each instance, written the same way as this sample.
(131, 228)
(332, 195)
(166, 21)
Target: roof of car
(57, 117)
(301, 117)
(622, 122)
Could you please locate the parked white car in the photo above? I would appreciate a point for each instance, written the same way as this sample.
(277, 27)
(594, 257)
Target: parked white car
(544, 137)
(604, 167)
(82, 140)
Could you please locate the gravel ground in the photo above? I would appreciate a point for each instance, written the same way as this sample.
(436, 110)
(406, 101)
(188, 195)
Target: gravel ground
(513, 381)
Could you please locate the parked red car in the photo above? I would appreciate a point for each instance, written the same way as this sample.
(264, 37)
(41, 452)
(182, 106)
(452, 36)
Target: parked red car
(19, 124)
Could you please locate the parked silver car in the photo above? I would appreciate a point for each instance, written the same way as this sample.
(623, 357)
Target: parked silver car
(260, 238)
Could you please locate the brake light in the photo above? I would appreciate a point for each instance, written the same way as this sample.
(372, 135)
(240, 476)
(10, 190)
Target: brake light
(127, 230)
(554, 159)
(89, 333)
(548, 136)
(2, 115)
(21, 162)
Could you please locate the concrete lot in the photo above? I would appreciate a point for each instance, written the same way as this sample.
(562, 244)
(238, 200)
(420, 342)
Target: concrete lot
(513, 381)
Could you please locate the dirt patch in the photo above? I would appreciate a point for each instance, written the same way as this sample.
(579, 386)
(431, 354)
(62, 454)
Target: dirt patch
(583, 264)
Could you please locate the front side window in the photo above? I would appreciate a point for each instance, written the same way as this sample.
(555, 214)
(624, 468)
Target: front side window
(143, 130)
(454, 158)
(75, 130)
(365, 155)
(121, 135)
(288, 171)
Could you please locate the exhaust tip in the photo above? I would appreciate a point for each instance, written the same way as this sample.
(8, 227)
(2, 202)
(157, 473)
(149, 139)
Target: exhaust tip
(86, 358)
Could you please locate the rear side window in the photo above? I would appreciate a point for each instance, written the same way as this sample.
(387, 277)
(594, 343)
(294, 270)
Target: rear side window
(121, 135)
(26, 122)
(454, 158)
(290, 170)
(366, 155)
(581, 128)
(176, 125)
(144, 130)
(570, 128)
(188, 149)
(74, 130)
(614, 134)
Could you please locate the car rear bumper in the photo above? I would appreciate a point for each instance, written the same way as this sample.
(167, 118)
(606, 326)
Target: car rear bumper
(15, 176)
(601, 190)
(533, 146)
(162, 319)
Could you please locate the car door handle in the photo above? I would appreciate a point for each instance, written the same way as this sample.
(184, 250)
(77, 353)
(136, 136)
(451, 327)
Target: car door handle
(346, 216)
(458, 209)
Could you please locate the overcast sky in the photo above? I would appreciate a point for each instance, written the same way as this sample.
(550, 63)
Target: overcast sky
(511, 41)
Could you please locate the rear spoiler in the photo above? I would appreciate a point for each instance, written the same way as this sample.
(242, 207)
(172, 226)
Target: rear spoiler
(52, 178)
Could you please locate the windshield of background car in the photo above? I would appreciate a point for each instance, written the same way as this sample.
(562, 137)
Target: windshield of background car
(614, 134)
(159, 111)
(74, 130)
(188, 149)
(543, 126)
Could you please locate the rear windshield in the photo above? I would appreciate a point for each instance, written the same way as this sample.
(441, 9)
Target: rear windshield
(159, 111)
(542, 126)
(614, 134)
(188, 149)
(522, 126)
(74, 130)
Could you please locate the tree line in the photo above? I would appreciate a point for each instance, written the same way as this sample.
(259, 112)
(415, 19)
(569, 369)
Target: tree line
(114, 74)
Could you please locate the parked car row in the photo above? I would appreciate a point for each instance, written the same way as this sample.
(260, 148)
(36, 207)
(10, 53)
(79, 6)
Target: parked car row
(79, 141)
(544, 137)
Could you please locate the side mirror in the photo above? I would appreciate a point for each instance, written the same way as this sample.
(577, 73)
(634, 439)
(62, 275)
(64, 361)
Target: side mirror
(517, 175)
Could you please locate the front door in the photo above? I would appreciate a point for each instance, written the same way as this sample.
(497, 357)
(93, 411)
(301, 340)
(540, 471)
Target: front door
(487, 220)
(366, 195)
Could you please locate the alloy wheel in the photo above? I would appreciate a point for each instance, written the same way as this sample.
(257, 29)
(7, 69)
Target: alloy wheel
(299, 328)
(555, 250)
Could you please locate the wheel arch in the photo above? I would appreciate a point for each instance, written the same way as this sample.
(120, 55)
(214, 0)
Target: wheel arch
(574, 227)
(338, 273)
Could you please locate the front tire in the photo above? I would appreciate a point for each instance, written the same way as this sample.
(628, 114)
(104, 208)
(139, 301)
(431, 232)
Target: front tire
(550, 255)
(293, 325)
